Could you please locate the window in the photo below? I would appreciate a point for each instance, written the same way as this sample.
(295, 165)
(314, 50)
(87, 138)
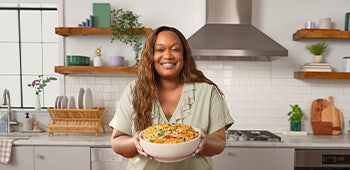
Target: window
(29, 48)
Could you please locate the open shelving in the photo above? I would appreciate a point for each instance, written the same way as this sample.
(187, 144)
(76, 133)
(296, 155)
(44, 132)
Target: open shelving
(67, 31)
(116, 70)
(320, 34)
(322, 75)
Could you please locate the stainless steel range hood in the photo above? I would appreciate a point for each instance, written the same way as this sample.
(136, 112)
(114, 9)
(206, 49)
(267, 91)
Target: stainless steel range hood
(229, 34)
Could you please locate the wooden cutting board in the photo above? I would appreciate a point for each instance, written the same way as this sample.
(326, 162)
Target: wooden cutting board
(333, 115)
(326, 119)
(317, 107)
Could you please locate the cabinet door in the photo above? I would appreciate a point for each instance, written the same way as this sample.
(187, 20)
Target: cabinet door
(107, 159)
(62, 158)
(21, 158)
(255, 158)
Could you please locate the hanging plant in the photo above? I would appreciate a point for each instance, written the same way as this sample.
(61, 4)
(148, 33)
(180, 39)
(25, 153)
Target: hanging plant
(128, 30)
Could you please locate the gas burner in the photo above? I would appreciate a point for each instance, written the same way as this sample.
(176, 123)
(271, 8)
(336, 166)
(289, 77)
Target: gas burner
(251, 135)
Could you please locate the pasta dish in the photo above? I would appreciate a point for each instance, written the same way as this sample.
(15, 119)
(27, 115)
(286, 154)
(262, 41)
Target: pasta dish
(169, 133)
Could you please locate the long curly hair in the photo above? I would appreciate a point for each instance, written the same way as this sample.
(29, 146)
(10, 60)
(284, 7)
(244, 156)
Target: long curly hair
(145, 90)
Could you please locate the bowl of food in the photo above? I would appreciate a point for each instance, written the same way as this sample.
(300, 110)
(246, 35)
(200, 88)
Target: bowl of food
(170, 142)
(77, 60)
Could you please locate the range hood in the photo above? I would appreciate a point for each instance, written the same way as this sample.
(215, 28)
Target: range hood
(229, 34)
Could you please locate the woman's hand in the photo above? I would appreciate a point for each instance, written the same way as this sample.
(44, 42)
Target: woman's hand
(138, 146)
(202, 142)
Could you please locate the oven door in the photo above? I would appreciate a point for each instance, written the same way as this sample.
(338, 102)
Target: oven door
(322, 159)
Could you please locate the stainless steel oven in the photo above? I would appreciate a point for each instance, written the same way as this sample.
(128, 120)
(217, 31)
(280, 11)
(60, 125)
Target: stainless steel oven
(322, 159)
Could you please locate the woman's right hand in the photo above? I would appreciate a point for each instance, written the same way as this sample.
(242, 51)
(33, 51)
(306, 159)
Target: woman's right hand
(138, 146)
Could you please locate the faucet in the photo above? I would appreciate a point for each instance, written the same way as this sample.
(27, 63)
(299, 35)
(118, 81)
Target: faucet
(11, 121)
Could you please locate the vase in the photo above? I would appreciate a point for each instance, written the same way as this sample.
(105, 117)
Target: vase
(98, 61)
(37, 103)
(317, 59)
(295, 126)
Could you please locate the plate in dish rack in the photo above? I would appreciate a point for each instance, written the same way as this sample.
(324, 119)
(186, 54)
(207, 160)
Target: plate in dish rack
(64, 102)
(59, 101)
(88, 99)
(80, 98)
(71, 103)
(58, 98)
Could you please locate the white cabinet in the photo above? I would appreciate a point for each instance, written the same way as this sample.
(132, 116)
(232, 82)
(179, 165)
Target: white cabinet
(235, 158)
(107, 159)
(62, 158)
(48, 157)
(21, 158)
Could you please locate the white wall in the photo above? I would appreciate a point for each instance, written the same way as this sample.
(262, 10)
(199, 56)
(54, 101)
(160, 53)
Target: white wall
(258, 93)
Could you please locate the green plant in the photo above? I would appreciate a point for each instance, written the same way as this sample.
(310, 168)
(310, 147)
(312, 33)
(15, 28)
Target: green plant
(127, 29)
(317, 49)
(296, 114)
(40, 83)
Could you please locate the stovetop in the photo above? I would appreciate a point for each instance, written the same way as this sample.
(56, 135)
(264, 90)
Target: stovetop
(251, 135)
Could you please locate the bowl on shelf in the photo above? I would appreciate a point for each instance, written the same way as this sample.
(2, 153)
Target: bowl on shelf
(77, 60)
(175, 152)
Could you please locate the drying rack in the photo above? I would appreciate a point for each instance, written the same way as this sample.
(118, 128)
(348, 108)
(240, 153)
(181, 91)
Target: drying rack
(75, 121)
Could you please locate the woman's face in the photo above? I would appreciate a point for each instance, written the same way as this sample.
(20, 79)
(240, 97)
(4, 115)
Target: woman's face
(168, 55)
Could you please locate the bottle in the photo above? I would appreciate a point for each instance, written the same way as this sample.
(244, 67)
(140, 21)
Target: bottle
(27, 123)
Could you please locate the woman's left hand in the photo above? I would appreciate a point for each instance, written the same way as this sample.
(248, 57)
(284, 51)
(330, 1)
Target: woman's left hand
(201, 144)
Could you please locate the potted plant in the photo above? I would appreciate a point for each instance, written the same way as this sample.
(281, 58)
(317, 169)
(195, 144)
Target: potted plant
(127, 29)
(317, 50)
(295, 116)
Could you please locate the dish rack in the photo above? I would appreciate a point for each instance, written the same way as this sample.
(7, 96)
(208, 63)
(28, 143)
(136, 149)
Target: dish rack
(75, 121)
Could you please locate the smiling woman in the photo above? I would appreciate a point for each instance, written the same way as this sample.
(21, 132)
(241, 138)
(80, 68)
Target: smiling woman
(170, 90)
(28, 40)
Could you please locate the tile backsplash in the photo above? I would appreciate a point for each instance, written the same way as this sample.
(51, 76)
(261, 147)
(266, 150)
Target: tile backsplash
(257, 96)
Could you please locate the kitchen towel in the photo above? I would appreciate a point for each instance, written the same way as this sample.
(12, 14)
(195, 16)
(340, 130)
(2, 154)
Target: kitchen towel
(5, 150)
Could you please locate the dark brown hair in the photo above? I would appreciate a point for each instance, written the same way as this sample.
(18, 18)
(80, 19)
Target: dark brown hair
(145, 90)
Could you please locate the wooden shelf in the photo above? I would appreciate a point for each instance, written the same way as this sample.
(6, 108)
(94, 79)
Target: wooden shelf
(117, 70)
(66, 31)
(320, 34)
(322, 75)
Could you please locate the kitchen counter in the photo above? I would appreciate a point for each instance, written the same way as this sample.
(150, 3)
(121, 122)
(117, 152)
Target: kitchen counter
(103, 140)
(300, 142)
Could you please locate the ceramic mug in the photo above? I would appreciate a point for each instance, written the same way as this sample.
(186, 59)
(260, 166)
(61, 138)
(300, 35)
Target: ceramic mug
(325, 23)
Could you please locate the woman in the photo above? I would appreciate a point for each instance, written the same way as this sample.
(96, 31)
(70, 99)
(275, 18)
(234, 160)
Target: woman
(170, 89)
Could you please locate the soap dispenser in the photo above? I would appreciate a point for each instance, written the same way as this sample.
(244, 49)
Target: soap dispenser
(27, 123)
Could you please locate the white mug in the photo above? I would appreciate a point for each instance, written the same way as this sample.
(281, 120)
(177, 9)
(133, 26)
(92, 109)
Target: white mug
(325, 23)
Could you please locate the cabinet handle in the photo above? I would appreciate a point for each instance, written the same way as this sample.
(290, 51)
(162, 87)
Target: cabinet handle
(40, 157)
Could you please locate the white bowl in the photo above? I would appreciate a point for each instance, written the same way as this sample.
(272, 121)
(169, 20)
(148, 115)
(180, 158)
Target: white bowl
(170, 152)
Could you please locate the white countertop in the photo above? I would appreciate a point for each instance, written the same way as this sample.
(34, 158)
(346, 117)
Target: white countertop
(300, 142)
(103, 140)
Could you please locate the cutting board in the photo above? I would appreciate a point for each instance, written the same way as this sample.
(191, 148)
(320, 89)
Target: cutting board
(326, 119)
(316, 109)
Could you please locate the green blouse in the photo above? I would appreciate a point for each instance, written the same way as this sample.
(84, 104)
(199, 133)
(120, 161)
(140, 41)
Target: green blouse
(200, 106)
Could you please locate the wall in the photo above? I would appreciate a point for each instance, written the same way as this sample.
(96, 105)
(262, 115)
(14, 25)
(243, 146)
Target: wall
(258, 93)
